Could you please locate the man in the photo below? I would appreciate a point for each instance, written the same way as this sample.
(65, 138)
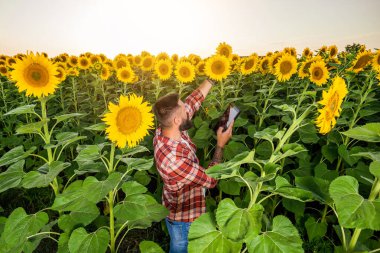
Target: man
(176, 161)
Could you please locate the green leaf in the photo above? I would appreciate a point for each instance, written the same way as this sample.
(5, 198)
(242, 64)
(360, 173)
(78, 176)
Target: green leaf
(342, 151)
(205, 238)
(84, 214)
(132, 187)
(374, 156)
(294, 206)
(315, 229)
(230, 187)
(228, 169)
(236, 223)
(150, 247)
(374, 168)
(65, 138)
(140, 210)
(289, 150)
(308, 134)
(283, 238)
(317, 186)
(129, 152)
(285, 189)
(88, 190)
(21, 110)
(138, 163)
(268, 133)
(12, 176)
(233, 149)
(42, 179)
(64, 117)
(369, 132)
(31, 128)
(89, 153)
(329, 151)
(18, 227)
(63, 243)
(96, 127)
(82, 242)
(14, 155)
(353, 210)
(142, 177)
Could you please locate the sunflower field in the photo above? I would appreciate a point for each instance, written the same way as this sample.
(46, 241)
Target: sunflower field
(300, 174)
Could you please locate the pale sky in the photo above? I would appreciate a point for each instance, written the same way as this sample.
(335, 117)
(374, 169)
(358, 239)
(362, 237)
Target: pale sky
(184, 27)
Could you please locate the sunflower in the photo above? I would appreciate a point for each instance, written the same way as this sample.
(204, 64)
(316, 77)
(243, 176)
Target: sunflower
(200, 68)
(61, 74)
(129, 121)
(332, 101)
(195, 59)
(83, 62)
(102, 57)
(36, 74)
(11, 61)
(94, 59)
(285, 67)
(3, 70)
(72, 72)
(322, 50)
(235, 58)
(225, 50)
(137, 60)
(333, 51)
(162, 56)
(185, 71)
(73, 61)
(217, 67)
(125, 75)
(318, 72)
(174, 58)
(331, 62)
(361, 61)
(273, 61)
(376, 61)
(249, 64)
(290, 50)
(163, 69)
(147, 63)
(105, 73)
(307, 52)
(120, 62)
(264, 64)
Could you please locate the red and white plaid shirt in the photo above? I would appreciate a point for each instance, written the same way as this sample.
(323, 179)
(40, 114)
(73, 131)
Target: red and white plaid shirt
(184, 179)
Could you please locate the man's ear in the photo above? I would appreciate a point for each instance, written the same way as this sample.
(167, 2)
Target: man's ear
(176, 120)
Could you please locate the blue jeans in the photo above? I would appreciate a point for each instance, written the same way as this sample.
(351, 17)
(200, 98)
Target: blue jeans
(178, 232)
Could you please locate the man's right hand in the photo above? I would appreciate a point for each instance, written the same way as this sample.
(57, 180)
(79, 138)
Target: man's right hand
(223, 137)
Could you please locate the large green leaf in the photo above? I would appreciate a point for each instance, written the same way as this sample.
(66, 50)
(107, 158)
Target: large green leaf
(283, 238)
(369, 132)
(150, 247)
(12, 176)
(317, 186)
(236, 223)
(89, 153)
(21, 110)
(205, 238)
(230, 187)
(140, 210)
(315, 229)
(233, 148)
(353, 210)
(65, 138)
(88, 190)
(228, 169)
(374, 168)
(18, 227)
(14, 155)
(138, 163)
(31, 127)
(84, 214)
(132, 187)
(44, 176)
(285, 189)
(82, 242)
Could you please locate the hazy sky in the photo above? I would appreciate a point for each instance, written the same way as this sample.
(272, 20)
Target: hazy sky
(184, 27)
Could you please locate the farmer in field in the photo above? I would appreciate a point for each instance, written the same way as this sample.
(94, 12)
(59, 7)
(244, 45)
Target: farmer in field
(184, 178)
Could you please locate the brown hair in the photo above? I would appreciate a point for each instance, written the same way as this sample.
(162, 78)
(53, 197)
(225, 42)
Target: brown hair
(164, 108)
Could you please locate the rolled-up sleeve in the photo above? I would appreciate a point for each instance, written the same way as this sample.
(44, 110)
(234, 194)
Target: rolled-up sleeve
(193, 102)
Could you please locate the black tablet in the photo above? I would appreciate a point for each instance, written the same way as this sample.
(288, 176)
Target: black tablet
(231, 113)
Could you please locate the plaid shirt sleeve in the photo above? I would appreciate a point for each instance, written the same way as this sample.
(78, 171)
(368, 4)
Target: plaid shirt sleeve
(193, 102)
(185, 171)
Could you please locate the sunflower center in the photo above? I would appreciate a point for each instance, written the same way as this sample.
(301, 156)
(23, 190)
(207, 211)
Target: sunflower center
(128, 120)
(285, 67)
(362, 61)
(164, 69)
(147, 63)
(84, 62)
(125, 74)
(121, 64)
(249, 64)
(225, 52)
(3, 70)
(218, 67)
(185, 72)
(264, 65)
(318, 73)
(36, 75)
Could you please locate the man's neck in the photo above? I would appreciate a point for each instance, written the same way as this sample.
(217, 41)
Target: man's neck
(172, 133)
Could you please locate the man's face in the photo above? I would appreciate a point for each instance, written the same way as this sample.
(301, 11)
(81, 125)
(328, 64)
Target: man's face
(186, 123)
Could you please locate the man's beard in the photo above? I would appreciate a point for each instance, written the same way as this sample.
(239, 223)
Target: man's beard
(186, 124)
